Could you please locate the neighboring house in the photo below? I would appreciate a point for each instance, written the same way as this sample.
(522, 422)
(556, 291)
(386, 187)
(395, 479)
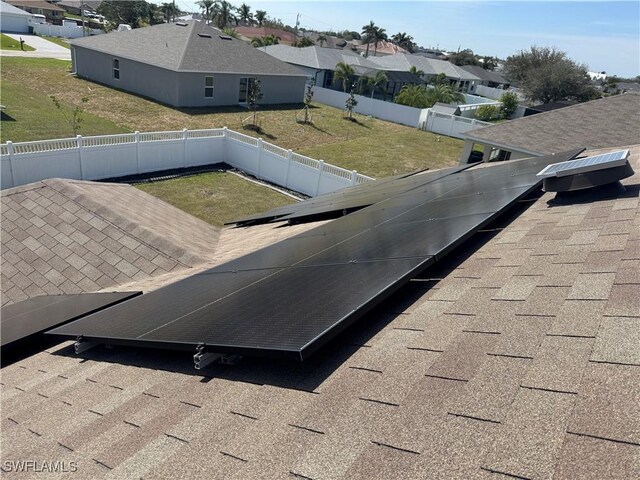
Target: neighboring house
(624, 87)
(597, 75)
(384, 48)
(53, 13)
(329, 42)
(75, 7)
(430, 66)
(185, 65)
(249, 33)
(320, 63)
(13, 19)
(487, 78)
(599, 123)
(547, 107)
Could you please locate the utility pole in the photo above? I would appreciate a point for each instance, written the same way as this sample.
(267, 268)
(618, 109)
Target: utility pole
(174, 11)
(295, 33)
(82, 15)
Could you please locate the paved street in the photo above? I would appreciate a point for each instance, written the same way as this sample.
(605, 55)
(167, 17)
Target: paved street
(43, 48)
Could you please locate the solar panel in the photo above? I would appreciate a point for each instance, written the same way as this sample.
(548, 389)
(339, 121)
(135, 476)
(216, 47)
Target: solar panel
(588, 164)
(22, 323)
(290, 298)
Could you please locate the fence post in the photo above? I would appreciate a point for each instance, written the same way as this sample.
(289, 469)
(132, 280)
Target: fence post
(452, 121)
(224, 144)
(320, 170)
(79, 142)
(473, 123)
(185, 135)
(354, 177)
(260, 147)
(137, 136)
(289, 162)
(10, 150)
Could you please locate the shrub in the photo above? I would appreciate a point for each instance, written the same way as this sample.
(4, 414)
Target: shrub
(509, 104)
(487, 113)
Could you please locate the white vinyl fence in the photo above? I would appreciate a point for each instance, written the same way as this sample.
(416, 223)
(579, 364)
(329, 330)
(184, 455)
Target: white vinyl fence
(112, 156)
(391, 112)
(64, 31)
(495, 93)
(450, 125)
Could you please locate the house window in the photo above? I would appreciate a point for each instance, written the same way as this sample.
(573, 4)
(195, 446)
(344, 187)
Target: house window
(244, 90)
(116, 69)
(208, 87)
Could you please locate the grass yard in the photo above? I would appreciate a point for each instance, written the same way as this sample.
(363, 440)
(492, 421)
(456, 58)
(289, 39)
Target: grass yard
(58, 41)
(216, 197)
(8, 43)
(373, 147)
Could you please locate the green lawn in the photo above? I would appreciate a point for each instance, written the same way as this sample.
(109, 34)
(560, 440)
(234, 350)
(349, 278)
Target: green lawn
(8, 43)
(373, 147)
(216, 197)
(58, 41)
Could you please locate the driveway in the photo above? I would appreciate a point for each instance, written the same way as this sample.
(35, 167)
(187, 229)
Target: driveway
(43, 48)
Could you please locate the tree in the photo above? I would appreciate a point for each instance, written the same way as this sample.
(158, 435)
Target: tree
(206, 6)
(489, 62)
(413, 96)
(308, 96)
(344, 72)
(265, 41)
(547, 75)
(76, 117)
(368, 34)
(244, 14)
(486, 113)
(231, 32)
(416, 71)
(169, 11)
(351, 102)
(260, 17)
(464, 57)
(379, 35)
(439, 79)
(254, 95)
(224, 13)
(509, 102)
(373, 82)
(420, 96)
(405, 41)
(321, 39)
(130, 13)
(305, 42)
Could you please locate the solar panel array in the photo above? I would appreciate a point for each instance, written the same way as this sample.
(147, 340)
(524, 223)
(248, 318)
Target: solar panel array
(587, 164)
(35, 315)
(290, 298)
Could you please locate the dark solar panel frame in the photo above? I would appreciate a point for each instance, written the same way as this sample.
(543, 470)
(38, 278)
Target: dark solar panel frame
(23, 320)
(290, 298)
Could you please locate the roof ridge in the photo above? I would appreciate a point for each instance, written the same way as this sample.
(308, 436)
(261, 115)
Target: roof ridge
(186, 44)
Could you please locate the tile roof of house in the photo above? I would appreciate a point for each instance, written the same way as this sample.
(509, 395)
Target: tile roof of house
(8, 8)
(36, 4)
(521, 359)
(67, 236)
(485, 75)
(600, 123)
(319, 57)
(384, 48)
(430, 66)
(187, 47)
(259, 32)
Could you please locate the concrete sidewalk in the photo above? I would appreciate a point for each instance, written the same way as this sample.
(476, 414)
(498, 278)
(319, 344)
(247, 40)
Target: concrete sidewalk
(43, 48)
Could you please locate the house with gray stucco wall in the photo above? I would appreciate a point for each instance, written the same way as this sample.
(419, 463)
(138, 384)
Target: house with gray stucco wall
(185, 64)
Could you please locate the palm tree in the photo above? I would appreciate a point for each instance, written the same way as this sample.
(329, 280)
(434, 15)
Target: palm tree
(368, 33)
(207, 6)
(379, 35)
(261, 15)
(169, 10)
(265, 41)
(344, 72)
(416, 71)
(403, 40)
(374, 82)
(244, 14)
(321, 39)
(224, 13)
(444, 94)
(413, 96)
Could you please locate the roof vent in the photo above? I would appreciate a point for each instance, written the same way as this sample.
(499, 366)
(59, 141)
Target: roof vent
(204, 35)
(586, 172)
(181, 24)
(225, 37)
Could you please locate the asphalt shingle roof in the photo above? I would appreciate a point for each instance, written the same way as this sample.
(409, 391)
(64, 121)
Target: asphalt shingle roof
(485, 75)
(519, 360)
(430, 66)
(318, 57)
(194, 47)
(600, 123)
(66, 236)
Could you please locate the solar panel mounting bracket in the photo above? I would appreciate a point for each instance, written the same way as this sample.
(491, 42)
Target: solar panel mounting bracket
(82, 345)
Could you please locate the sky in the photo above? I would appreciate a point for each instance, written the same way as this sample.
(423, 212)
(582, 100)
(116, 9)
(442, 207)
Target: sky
(603, 35)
